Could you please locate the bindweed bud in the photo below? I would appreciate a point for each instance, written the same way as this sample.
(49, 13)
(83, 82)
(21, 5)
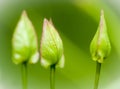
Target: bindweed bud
(100, 46)
(24, 42)
(51, 46)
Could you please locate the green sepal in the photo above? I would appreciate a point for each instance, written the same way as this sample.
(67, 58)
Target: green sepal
(24, 42)
(51, 46)
(100, 46)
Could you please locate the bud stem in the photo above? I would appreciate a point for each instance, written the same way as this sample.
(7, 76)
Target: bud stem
(98, 68)
(52, 76)
(24, 75)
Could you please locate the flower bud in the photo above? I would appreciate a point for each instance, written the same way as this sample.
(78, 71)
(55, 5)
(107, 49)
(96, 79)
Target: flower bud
(24, 42)
(100, 46)
(51, 46)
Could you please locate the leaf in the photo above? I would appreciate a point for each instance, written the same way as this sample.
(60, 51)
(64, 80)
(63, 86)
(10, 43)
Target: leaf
(51, 46)
(100, 46)
(24, 42)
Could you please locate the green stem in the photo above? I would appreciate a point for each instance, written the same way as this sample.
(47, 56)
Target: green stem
(52, 77)
(24, 75)
(98, 67)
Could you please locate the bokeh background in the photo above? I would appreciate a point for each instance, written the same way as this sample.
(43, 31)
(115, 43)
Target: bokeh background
(77, 22)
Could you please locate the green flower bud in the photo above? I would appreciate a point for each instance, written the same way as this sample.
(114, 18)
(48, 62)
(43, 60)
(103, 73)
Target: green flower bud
(24, 42)
(100, 46)
(51, 46)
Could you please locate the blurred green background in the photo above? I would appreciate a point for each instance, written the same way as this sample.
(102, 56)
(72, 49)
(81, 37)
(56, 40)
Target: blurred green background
(77, 22)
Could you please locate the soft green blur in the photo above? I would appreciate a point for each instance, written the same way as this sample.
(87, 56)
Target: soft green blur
(77, 22)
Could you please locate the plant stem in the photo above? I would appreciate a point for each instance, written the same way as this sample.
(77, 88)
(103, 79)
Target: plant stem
(52, 77)
(98, 67)
(24, 75)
